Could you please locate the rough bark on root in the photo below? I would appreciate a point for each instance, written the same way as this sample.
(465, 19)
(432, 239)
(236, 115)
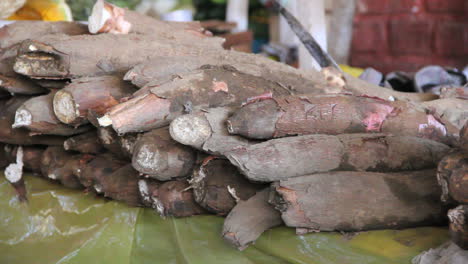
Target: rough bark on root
(37, 115)
(206, 131)
(249, 219)
(463, 141)
(104, 164)
(450, 92)
(157, 155)
(210, 86)
(336, 114)
(32, 156)
(20, 136)
(84, 143)
(57, 164)
(148, 189)
(110, 140)
(218, 185)
(67, 57)
(121, 185)
(175, 199)
(451, 109)
(452, 174)
(159, 70)
(97, 94)
(282, 158)
(458, 226)
(21, 30)
(343, 201)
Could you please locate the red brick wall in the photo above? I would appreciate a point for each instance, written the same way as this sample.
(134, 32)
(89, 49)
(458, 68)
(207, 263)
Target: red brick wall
(405, 35)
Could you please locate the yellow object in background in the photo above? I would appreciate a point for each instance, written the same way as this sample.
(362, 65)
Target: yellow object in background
(353, 71)
(48, 10)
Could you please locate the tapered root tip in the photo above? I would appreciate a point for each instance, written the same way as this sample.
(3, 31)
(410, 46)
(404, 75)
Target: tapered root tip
(65, 108)
(191, 130)
(22, 118)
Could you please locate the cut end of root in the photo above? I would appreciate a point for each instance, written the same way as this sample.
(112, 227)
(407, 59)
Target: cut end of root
(230, 127)
(147, 160)
(22, 118)
(65, 108)
(107, 18)
(191, 130)
(105, 121)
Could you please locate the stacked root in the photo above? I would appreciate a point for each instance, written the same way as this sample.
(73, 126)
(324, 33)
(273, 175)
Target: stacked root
(157, 114)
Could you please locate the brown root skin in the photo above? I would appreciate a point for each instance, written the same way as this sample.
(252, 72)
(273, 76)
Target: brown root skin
(175, 199)
(69, 57)
(57, 164)
(157, 155)
(211, 86)
(84, 143)
(37, 115)
(21, 30)
(20, 136)
(97, 94)
(282, 158)
(218, 185)
(458, 226)
(159, 70)
(449, 92)
(110, 140)
(249, 219)
(14, 175)
(121, 185)
(32, 156)
(52, 84)
(463, 144)
(3, 156)
(206, 131)
(398, 200)
(453, 110)
(336, 114)
(104, 164)
(452, 174)
(127, 144)
(20, 85)
(148, 189)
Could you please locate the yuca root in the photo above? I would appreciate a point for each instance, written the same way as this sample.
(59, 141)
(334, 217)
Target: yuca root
(336, 114)
(62, 166)
(104, 164)
(208, 87)
(69, 57)
(249, 219)
(37, 115)
(175, 199)
(97, 94)
(14, 175)
(108, 18)
(20, 136)
(282, 158)
(343, 201)
(121, 185)
(84, 143)
(218, 185)
(157, 155)
(452, 174)
(32, 156)
(206, 131)
(458, 226)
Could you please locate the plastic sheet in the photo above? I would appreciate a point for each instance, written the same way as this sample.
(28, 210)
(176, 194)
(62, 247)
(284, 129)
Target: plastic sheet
(58, 225)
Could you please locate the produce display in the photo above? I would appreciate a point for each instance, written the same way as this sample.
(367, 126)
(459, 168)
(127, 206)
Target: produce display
(157, 114)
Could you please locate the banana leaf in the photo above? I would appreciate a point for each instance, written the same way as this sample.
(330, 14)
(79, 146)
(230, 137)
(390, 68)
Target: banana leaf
(58, 225)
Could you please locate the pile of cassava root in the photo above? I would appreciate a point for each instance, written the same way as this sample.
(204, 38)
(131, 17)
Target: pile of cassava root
(157, 114)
